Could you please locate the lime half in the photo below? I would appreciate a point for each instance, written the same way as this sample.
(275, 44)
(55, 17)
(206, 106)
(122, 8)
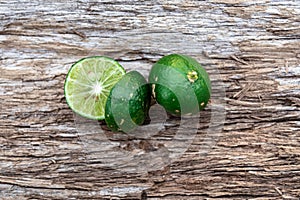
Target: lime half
(88, 84)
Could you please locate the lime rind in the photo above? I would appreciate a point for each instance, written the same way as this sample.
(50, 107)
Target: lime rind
(88, 84)
(199, 68)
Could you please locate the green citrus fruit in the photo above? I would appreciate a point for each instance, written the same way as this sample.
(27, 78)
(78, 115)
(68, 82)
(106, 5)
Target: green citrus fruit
(88, 84)
(128, 103)
(180, 84)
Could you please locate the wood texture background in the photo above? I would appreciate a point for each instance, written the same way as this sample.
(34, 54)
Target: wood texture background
(251, 48)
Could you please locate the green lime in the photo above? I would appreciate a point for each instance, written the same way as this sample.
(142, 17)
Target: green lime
(88, 84)
(180, 84)
(128, 103)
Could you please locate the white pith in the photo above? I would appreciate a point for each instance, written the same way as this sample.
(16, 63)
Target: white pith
(97, 88)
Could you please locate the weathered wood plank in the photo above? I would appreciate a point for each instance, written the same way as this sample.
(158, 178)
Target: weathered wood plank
(252, 49)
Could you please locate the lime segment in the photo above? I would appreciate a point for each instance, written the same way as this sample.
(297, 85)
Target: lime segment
(88, 85)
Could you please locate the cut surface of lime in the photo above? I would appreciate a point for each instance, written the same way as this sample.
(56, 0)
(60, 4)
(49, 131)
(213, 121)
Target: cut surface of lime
(88, 84)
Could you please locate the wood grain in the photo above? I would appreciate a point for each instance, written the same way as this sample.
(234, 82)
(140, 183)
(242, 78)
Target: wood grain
(250, 49)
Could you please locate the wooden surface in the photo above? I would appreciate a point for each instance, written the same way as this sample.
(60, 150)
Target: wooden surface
(251, 50)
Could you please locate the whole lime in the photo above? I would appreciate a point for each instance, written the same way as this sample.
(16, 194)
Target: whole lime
(128, 103)
(180, 84)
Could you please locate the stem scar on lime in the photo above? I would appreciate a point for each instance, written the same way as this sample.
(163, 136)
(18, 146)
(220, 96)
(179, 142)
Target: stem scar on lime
(192, 76)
